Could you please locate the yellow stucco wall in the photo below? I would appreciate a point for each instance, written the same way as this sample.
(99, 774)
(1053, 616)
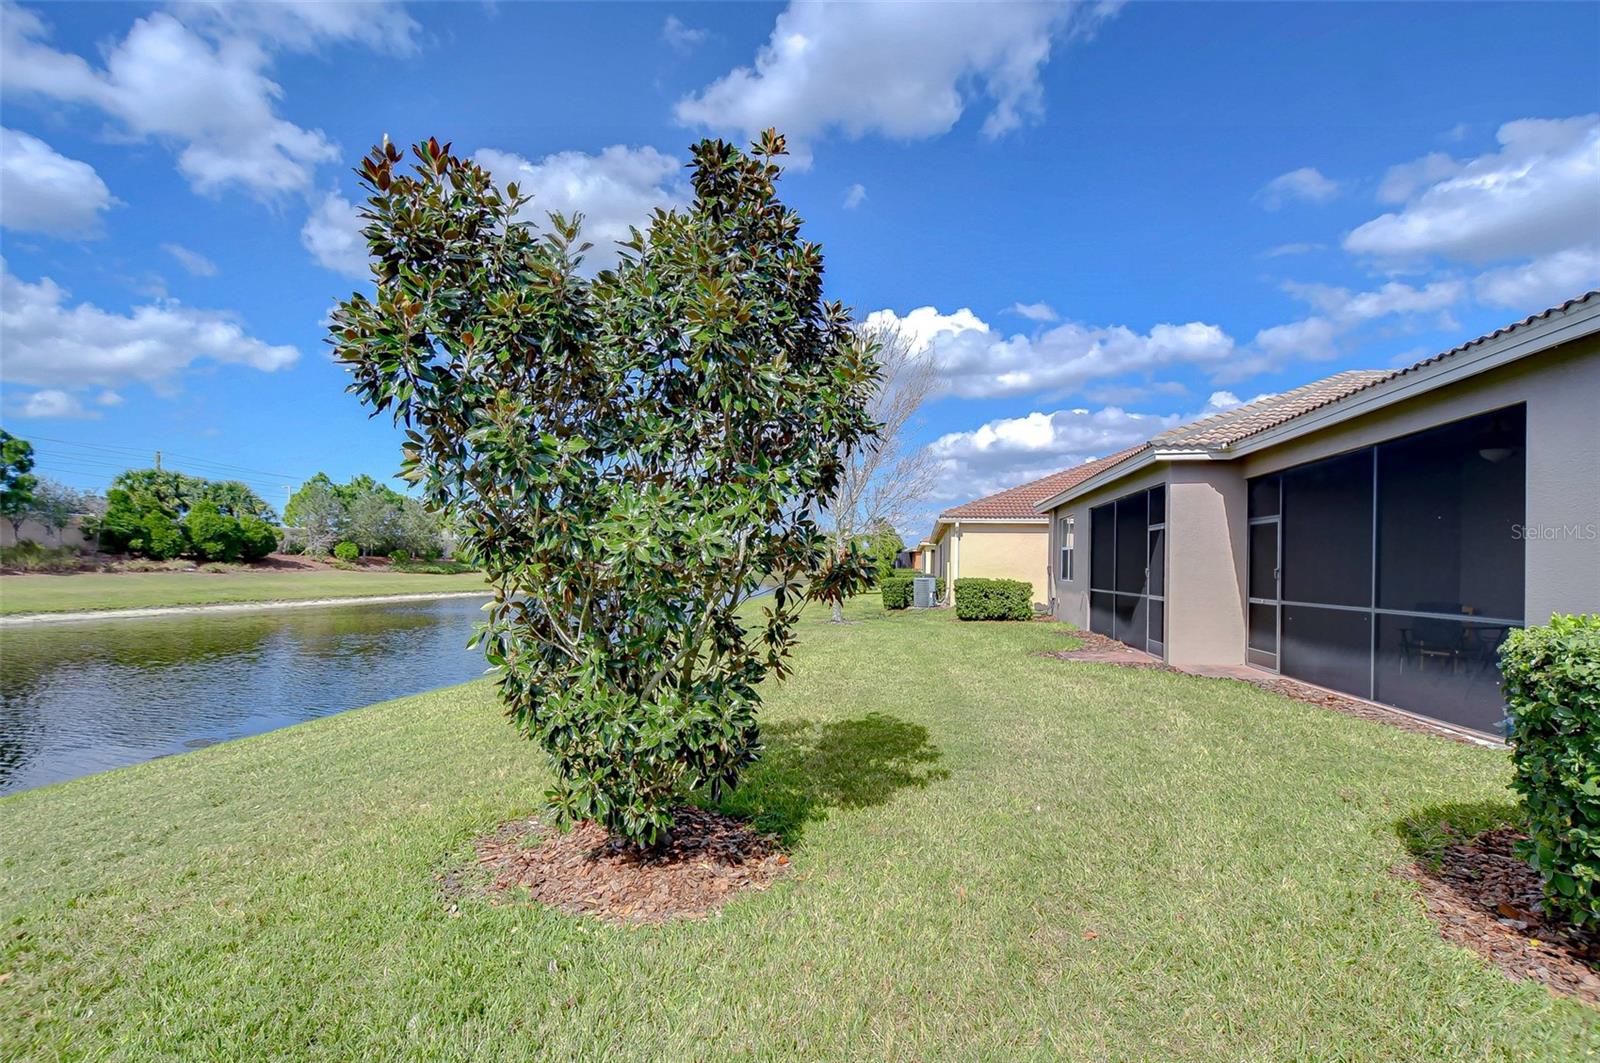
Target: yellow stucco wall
(997, 551)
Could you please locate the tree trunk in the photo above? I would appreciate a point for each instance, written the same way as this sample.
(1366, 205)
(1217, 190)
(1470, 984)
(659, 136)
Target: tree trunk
(838, 612)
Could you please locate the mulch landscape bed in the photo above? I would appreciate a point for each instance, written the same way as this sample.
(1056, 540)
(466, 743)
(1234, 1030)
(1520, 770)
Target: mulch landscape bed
(1485, 897)
(583, 871)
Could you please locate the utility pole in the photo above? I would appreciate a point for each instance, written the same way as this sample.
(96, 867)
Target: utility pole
(158, 461)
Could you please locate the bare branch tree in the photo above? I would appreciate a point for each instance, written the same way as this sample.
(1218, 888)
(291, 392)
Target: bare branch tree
(884, 481)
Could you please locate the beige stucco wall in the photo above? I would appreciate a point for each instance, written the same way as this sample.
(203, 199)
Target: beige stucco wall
(1004, 551)
(1562, 391)
(35, 532)
(1208, 528)
(1069, 601)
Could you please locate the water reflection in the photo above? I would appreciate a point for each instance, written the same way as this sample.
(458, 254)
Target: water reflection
(81, 698)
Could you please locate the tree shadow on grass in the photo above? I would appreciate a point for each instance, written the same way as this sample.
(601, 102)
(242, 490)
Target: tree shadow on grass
(809, 768)
(1428, 832)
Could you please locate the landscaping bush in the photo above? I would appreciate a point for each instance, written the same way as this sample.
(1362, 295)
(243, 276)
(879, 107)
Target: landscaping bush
(31, 557)
(1552, 686)
(896, 592)
(257, 538)
(157, 537)
(347, 551)
(399, 557)
(993, 599)
(212, 535)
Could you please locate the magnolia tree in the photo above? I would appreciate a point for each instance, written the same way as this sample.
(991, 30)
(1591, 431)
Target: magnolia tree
(627, 457)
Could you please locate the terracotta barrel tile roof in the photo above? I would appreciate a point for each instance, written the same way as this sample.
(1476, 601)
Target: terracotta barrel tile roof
(1016, 503)
(1230, 426)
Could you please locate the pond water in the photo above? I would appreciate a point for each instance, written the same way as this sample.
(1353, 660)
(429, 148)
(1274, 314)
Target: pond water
(84, 697)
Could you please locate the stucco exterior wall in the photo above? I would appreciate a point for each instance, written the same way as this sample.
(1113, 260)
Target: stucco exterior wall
(1561, 389)
(1069, 600)
(1005, 551)
(1207, 528)
(35, 532)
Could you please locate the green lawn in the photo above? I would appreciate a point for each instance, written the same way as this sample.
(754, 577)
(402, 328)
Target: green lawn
(138, 590)
(963, 815)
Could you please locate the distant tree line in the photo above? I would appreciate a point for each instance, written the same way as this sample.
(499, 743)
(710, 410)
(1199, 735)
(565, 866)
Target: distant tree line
(163, 514)
(371, 515)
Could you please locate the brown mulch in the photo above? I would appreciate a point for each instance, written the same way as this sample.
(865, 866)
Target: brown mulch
(1099, 649)
(1485, 897)
(583, 871)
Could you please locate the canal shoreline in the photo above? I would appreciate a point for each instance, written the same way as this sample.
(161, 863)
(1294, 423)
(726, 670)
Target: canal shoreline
(147, 612)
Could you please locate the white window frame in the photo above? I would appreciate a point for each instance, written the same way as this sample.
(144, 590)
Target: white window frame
(1066, 533)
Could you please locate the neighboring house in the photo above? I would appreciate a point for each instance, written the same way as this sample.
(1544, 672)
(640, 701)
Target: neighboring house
(1003, 535)
(1377, 533)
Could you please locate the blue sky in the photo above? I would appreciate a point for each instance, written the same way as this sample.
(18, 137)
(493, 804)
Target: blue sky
(1095, 219)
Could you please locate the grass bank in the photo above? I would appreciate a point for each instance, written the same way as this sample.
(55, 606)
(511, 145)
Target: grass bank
(83, 591)
(995, 855)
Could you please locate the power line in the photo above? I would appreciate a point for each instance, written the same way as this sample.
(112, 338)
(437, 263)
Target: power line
(187, 458)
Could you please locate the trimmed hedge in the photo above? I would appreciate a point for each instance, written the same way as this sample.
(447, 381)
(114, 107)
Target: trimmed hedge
(1552, 686)
(347, 551)
(898, 591)
(993, 599)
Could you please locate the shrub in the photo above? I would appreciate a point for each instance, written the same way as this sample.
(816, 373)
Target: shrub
(896, 591)
(347, 551)
(212, 535)
(624, 455)
(31, 557)
(399, 557)
(436, 567)
(1552, 685)
(257, 538)
(157, 537)
(993, 599)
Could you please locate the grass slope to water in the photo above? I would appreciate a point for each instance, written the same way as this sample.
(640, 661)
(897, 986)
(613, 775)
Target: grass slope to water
(141, 590)
(995, 855)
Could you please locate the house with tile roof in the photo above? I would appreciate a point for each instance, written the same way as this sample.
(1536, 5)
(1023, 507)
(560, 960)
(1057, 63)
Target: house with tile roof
(1376, 533)
(1003, 535)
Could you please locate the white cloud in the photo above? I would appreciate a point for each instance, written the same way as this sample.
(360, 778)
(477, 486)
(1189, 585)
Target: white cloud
(51, 344)
(193, 261)
(203, 87)
(1292, 249)
(904, 71)
(614, 189)
(1401, 182)
(1306, 184)
(1544, 282)
(43, 191)
(680, 37)
(1010, 451)
(378, 24)
(854, 196)
(167, 82)
(975, 362)
(1349, 309)
(333, 236)
(55, 403)
(1538, 194)
(108, 398)
(1035, 311)
(1310, 338)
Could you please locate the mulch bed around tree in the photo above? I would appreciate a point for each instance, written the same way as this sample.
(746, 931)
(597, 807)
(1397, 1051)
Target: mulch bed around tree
(1487, 898)
(583, 871)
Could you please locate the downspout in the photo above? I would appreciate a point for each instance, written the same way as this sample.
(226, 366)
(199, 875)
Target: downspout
(955, 563)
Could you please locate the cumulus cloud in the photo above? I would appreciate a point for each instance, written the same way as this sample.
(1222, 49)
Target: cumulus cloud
(1305, 184)
(904, 71)
(1035, 311)
(43, 191)
(1538, 194)
(613, 189)
(1292, 249)
(854, 196)
(192, 261)
(53, 402)
(680, 37)
(1013, 450)
(1339, 312)
(1402, 182)
(201, 81)
(1542, 282)
(333, 236)
(974, 361)
(55, 345)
